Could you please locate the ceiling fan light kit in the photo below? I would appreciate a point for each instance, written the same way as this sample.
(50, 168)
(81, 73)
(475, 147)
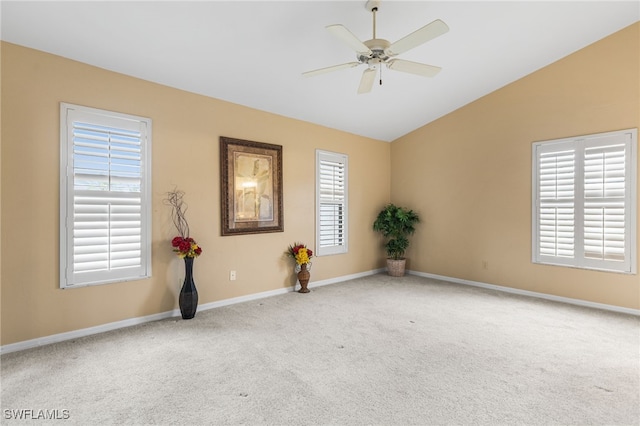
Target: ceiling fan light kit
(377, 51)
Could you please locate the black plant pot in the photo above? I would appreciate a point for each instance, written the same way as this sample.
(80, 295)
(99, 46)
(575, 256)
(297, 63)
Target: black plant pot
(188, 294)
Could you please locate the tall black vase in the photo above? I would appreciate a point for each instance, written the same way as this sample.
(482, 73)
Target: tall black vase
(188, 293)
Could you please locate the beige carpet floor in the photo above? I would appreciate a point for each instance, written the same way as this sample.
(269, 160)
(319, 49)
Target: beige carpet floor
(376, 350)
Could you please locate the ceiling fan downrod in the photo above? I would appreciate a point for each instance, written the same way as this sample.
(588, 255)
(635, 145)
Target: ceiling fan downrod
(374, 10)
(372, 6)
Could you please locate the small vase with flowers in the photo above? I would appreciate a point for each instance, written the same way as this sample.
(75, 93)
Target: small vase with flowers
(302, 255)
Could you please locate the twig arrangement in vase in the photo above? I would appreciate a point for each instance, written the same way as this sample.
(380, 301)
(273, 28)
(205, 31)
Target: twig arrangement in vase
(302, 255)
(186, 248)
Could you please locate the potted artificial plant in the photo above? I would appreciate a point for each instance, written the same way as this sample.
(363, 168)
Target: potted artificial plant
(396, 224)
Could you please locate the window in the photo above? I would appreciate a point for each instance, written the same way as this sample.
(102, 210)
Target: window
(331, 203)
(585, 201)
(105, 179)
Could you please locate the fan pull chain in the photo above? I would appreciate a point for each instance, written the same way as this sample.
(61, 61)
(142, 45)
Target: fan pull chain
(381, 74)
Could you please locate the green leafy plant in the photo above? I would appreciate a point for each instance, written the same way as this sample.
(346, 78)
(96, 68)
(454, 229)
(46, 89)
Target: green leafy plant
(396, 224)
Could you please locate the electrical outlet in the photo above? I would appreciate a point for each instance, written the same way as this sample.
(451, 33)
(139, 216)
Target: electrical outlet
(232, 275)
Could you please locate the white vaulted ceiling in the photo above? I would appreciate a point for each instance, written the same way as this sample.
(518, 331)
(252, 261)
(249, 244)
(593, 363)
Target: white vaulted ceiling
(253, 53)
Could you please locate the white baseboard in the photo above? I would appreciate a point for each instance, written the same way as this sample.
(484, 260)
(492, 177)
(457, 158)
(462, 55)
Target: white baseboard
(569, 300)
(75, 334)
(345, 278)
(55, 338)
(264, 294)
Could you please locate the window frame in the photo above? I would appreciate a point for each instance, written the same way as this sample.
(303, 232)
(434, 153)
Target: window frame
(343, 159)
(579, 146)
(70, 114)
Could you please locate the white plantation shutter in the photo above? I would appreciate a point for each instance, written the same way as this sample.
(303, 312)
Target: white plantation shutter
(585, 201)
(331, 190)
(556, 209)
(605, 193)
(105, 187)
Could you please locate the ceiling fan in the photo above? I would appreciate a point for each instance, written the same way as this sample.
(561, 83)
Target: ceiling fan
(378, 51)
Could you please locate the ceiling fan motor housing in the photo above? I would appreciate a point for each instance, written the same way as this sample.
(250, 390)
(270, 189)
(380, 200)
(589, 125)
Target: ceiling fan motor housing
(377, 47)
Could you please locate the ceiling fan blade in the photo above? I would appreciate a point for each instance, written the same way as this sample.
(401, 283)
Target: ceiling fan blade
(330, 69)
(418, 37)
(347, 37)
(413, 67)
(366, 82)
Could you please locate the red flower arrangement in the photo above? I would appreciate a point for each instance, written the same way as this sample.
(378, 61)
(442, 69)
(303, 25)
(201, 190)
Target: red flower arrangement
(183, 246)
(186, 247)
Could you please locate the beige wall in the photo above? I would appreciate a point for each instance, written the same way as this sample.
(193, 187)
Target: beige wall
(186, 128)
(469, 173)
